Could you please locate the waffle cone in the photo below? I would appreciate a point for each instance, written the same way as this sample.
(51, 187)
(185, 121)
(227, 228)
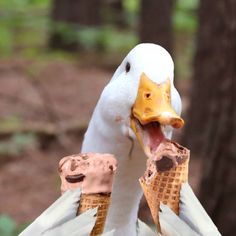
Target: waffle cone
(89, 201)
(165, 187)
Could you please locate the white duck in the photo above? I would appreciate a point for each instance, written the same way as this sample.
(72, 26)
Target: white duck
(139, 103)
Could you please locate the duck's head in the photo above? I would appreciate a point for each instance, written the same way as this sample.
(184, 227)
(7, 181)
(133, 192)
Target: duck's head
(141, 98)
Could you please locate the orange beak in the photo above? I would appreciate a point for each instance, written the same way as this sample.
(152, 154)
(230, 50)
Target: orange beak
(153, 106)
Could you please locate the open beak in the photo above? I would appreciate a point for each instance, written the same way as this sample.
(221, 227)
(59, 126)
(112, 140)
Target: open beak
(152, 111)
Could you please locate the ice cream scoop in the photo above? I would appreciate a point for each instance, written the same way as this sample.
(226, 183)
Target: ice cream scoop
(93, 173)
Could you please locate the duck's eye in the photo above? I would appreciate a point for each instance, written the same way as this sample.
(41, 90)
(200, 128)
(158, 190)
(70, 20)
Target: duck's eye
(127, 67)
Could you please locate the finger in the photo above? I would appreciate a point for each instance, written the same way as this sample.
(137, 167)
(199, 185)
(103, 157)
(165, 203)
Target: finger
(192, 212)
(62, 210)
(83, 223)
(172, 225)
(144, 230)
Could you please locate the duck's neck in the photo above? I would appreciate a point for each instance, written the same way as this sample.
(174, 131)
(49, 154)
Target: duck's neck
(126, 196)
(126, 192)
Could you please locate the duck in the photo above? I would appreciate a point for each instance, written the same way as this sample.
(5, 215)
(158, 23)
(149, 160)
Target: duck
(137, 109)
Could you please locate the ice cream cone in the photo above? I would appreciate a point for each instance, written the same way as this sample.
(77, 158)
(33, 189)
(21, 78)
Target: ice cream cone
(164, 186)
(89, 201)
(93, 173)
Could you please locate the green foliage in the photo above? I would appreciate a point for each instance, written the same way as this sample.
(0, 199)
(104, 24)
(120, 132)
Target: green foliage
(6, 40)
(10, 122)
(88, 37)
(22, 5)
(24, 27)
(185, 18)
(117, 41)
(8, 226)
(23, 23)
(131, 6)
(17, 144)
(107, 37)
(188, 5)
(68, 32)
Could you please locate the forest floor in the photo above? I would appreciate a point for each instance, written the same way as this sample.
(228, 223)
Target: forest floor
(55, 93)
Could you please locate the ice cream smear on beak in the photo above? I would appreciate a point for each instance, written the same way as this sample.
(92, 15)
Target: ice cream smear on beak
(151, 113)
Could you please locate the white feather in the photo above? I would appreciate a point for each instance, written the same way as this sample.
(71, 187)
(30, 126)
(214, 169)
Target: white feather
(172, 225)
(192, 212)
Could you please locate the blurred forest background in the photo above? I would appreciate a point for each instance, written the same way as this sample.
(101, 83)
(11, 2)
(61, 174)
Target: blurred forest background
(57, 55)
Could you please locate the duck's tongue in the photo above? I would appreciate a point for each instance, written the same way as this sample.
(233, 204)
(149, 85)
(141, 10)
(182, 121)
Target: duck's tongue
(154, 135)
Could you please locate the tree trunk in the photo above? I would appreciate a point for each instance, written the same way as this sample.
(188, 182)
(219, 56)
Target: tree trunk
(73, 13)
(210, 130)
(156, 22)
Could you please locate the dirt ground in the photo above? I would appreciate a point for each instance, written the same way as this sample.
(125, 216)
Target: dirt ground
(29, 181)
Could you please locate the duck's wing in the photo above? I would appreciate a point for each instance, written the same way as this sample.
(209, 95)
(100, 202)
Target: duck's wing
(192, 220)
(144, 230)
(60, 218)
(79, 226)
(193, 214)
(172, 225)
(110, 233)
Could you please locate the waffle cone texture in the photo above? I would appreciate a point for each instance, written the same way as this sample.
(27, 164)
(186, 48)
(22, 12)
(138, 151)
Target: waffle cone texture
(165, 187)
(89, 201)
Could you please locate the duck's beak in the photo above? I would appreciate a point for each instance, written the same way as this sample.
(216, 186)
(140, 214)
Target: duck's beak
(152, 111)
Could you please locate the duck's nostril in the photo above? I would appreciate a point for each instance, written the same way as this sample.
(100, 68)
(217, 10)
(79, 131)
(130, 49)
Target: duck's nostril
(147, 95)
